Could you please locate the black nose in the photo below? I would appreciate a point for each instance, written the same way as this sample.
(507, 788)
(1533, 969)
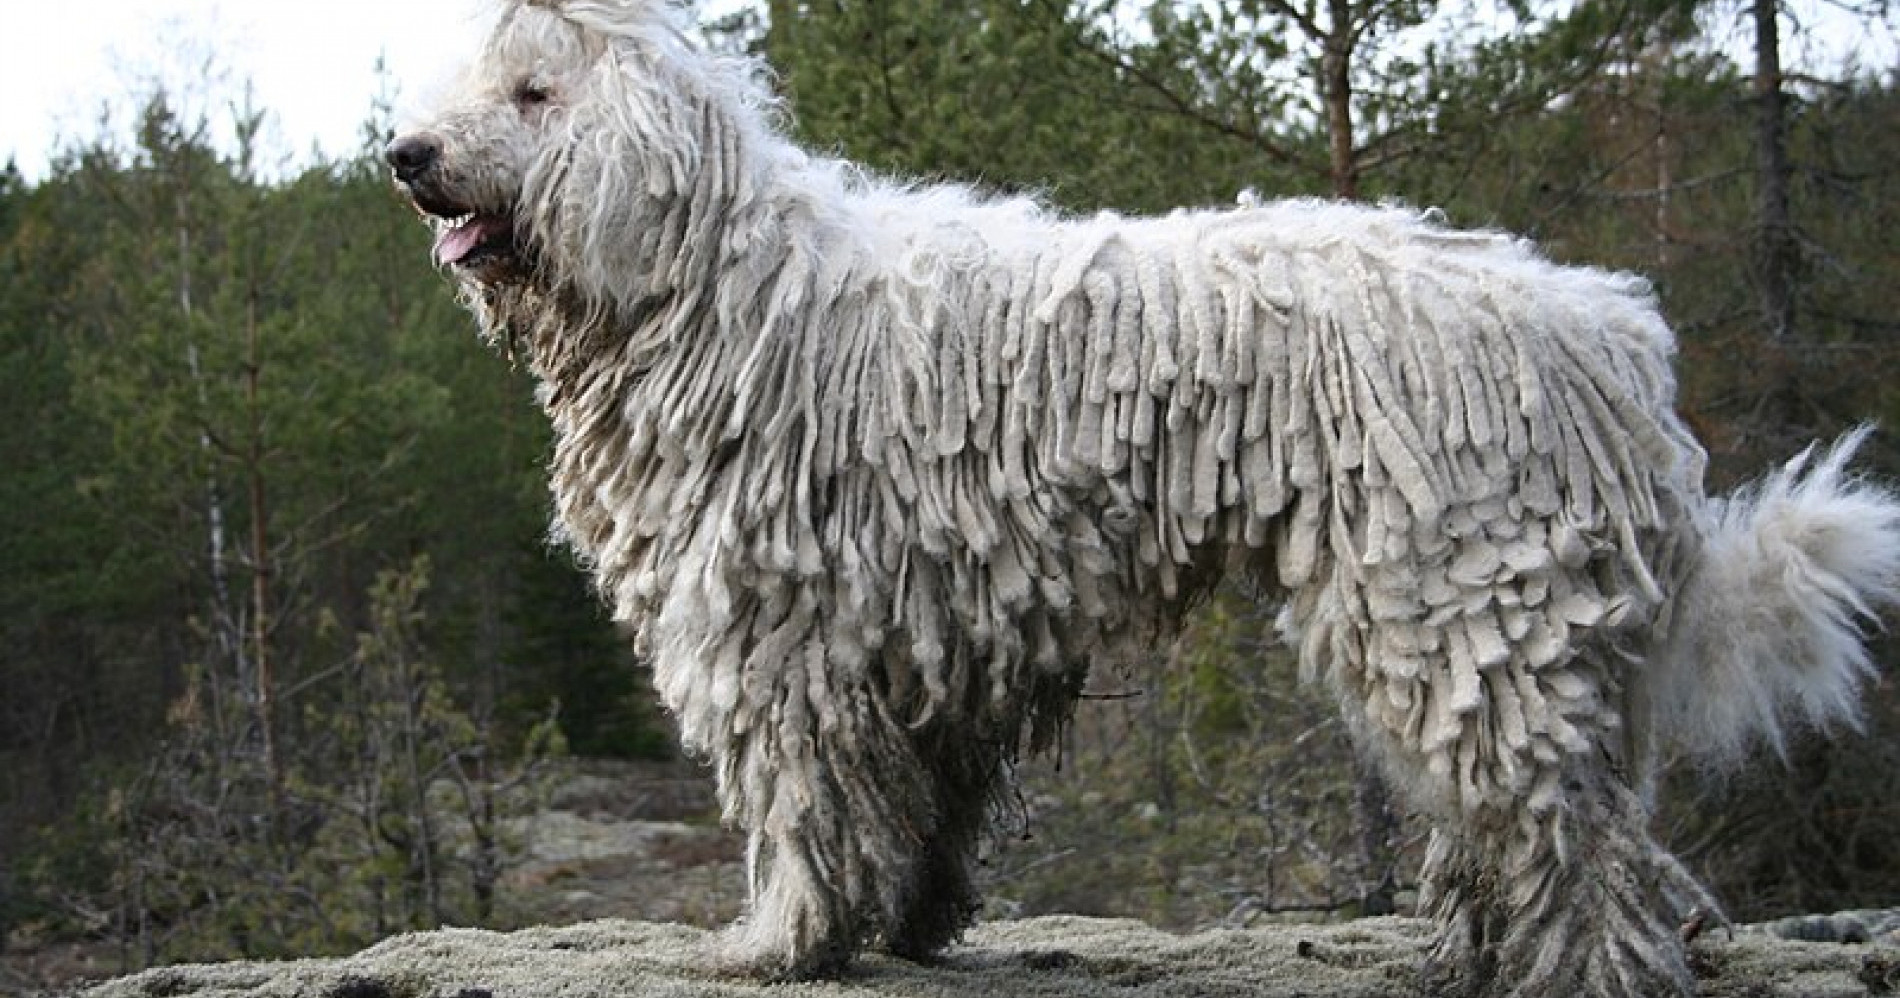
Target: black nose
(412, 155)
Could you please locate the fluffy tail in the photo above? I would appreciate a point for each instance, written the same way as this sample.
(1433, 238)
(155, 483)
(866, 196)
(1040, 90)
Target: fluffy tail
(1767, 633)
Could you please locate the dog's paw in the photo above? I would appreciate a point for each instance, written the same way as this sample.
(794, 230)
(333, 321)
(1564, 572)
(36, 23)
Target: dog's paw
(740, 952)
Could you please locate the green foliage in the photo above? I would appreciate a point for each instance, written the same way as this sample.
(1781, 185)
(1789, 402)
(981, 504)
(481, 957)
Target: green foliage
(400, 812)
(1024, 95)
(419, 792)
(235, 403)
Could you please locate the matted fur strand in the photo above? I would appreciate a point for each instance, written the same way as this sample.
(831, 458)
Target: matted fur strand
(875, 473)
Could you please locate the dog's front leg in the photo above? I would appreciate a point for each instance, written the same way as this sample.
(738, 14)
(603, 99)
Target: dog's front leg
(836, 808)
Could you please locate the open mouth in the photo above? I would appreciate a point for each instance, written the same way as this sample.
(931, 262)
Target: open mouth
(476, 240)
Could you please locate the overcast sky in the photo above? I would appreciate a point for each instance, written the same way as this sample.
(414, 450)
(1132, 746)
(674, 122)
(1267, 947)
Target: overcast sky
(312, 62)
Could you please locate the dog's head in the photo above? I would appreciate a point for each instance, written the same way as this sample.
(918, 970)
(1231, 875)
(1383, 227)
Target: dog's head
(584, 152)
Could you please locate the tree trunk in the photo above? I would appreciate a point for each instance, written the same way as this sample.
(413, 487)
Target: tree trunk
(265, 693)
(1777, 257)
(1336, 93)
(1656, 68)
(1371, 799)
(224, 622)
(412, 688)
(485, 866)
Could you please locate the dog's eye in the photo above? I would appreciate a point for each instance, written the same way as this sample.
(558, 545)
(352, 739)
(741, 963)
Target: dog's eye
(531, 94)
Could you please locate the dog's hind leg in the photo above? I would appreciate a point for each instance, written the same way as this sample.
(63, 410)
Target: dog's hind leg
(942, 899)
(1577, 900)
(1497, 704)
(1542, 875)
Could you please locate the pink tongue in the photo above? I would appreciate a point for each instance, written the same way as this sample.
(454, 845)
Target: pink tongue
(459, 242)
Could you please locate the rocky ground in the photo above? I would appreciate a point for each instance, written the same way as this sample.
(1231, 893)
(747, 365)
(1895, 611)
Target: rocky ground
(629, 860)
(630, 841)
(619, 840)
(1048, 957)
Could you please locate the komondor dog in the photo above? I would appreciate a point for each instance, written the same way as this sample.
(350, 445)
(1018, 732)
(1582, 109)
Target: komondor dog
(875, 473)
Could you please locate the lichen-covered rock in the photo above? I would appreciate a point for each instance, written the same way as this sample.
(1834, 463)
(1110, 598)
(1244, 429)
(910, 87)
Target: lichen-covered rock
(1054, 957)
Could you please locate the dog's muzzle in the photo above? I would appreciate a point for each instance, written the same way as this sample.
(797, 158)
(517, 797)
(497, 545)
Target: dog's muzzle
(474, 240)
